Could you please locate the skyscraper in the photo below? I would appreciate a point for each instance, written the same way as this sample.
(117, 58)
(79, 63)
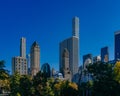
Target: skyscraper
(75, 27)
(117, 45)
(19, 63)
(72, 45)
(23, 47)
(104, 54)
(35, 58)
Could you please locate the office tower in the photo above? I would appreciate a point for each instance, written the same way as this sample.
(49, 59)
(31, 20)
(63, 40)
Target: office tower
(87, 59)
(117, 45)
(35, 58)
(66, 65)
(104, 54)
(45, 69)
(19, 64)
(72, 45)
(96, 59)
(23, 47)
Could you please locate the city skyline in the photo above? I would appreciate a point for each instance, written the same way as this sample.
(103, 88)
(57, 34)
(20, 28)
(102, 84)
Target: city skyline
(49, 22)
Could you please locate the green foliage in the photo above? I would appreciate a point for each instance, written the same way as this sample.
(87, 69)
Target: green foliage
(4, 77)
(103, 76)
(15, 84)
(65, 88)
(26, 88)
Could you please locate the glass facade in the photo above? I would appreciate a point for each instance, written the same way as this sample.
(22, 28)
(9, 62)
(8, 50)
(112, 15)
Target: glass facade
(46, 69)
(117, 45)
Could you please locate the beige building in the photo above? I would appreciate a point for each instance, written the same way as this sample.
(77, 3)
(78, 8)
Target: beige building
(66, 66)
(35, 59)
(19, 64)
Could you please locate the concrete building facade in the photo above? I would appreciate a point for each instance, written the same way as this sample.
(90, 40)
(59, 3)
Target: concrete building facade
(66, 65)
(23, 47)
(35, 59)
(19, 64)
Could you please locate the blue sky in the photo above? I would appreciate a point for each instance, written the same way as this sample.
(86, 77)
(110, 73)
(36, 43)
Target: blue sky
(50, 21)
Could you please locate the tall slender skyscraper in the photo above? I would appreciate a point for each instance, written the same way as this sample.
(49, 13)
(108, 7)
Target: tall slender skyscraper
(35, 58)
(117, 45)
(75, 27)
(72, 45)
(23, 47)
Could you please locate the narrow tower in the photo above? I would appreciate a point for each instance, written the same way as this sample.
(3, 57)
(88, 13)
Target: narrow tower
(75, 27)
(23, 47)
(35, 58)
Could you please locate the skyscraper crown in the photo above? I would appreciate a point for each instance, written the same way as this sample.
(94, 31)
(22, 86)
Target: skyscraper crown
(75, 27)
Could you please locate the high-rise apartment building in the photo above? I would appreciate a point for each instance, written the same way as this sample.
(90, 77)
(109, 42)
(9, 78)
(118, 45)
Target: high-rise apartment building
(19, 63)
(117, 45)
(87, 59)
(72, 45)
(35, 59)
(23, 47)
(104, 54)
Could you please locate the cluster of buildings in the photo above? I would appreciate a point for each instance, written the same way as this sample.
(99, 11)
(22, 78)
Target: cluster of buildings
(21, 63)
(68, 57)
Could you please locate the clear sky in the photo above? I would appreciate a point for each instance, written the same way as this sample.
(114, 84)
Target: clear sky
(50, 21)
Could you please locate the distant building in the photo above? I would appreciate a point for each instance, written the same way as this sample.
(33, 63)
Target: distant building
(96, 59)
(35, 59)
(23, 47)
(19, 63)
(66, 65)
(72, 45)
(46, 69)
(104, 54)
(117, 45)
(87, 59)
(28, 63)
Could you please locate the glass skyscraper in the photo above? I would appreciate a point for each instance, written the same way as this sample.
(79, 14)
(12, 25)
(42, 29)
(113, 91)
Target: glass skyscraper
(117, 45)
(72, 45)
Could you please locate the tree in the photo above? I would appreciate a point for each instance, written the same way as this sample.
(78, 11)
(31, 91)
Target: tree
(103, 79)
(15, 84)
(4, 77)
(117, 71)
(26, 88)
(65, 88)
